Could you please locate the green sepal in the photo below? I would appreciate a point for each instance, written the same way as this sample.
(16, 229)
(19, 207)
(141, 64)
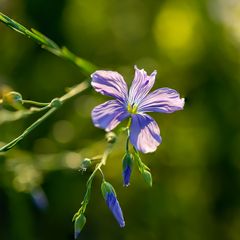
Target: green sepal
(143, 169)
(147, 177)
(78, 225)
(106, 188)
(127, 160)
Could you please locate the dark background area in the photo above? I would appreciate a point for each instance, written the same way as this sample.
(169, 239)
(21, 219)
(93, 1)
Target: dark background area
(194, 46)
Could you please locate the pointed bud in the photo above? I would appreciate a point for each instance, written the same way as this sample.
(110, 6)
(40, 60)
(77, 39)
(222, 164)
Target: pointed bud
(12, 101)
(78, 225)
(127, 168)
(147, 177)
(110, 197)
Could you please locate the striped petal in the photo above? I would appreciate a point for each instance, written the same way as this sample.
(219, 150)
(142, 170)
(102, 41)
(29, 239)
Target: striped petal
(111, 84)
(109, 114)
(165, 100)
(141, 85)
(144, 133)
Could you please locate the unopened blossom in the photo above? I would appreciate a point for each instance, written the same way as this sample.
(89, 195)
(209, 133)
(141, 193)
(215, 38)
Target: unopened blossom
(134, 103)
(127, 168)
(115, 208)
(110, 197)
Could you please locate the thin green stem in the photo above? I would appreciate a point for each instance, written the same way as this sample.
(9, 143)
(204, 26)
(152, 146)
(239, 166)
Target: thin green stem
(100, 170)
(127, 144)
(27, 131)
(96, 158)
(89, 182)
(35, 109)
(72, 93)
(102, 162)
(75, 91)
(40, 104)
(129, 123)
(48, 44)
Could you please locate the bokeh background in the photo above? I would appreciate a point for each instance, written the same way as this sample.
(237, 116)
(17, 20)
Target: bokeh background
(195, 47)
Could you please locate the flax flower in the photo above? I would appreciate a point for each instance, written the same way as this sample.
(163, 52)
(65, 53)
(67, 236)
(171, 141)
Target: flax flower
(134, 104)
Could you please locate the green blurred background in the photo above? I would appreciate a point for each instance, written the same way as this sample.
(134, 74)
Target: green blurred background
(194, 45)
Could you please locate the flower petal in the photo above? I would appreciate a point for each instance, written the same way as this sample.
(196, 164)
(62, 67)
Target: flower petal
(144, 133)
(115, 208)
(165, 100)
(109, 114)
(111, 84)
(126, 175)
(141, 85)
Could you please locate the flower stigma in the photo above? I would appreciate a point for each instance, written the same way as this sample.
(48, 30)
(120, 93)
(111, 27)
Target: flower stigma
(132, 109)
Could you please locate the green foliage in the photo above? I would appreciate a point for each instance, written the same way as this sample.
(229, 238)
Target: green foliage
(48, 44)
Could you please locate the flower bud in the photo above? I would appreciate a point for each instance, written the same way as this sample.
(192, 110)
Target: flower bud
(109, 195)
(147, 177)
(86, 163)
(78, 225)
(127, 168)
(111, 137)
(12, 100)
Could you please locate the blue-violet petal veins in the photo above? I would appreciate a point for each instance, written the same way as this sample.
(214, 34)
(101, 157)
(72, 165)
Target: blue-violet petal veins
(115, 208)
(141, 85)
(111, 84)
(109, 114)
(144, 133)
(165, 100)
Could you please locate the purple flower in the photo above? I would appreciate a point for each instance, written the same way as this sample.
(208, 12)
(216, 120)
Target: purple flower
(144, 131)
(115, 208)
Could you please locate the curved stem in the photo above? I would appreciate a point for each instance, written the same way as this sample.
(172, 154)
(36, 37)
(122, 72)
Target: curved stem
(102, 162)
(27, 131)
(75, 91)
(72, 93)
(40, 104)
(48, 44)
(89, 182)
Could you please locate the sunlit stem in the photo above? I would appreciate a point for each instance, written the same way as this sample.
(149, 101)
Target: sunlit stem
(27, 131)
(48, 44)
(35, 109)
(89, 182)
(75, 91)
(127, 144)
(102, 162)
(129, 123)
(97, 158)
(72, 93)
(102, 174)
(40, 104)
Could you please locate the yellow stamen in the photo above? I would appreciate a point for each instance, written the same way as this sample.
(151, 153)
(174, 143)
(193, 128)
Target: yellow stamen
(132, 109)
